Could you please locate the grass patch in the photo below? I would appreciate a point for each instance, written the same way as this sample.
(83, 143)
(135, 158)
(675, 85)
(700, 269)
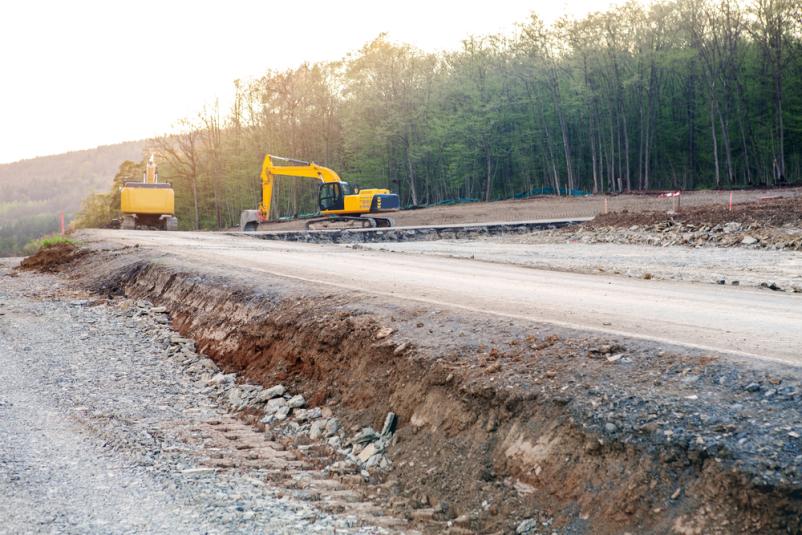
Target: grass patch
(46, 242)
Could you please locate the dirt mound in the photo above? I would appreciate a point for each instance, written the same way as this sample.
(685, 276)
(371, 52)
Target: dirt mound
(769, 212)
(53, 258)
(773, 223)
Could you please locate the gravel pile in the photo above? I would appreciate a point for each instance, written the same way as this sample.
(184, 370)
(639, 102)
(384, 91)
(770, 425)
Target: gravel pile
(98, 400)
(669, 232)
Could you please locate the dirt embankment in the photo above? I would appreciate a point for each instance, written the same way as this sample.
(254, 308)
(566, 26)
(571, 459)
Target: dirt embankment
(772, 223)
(504, 421)
(51, 259)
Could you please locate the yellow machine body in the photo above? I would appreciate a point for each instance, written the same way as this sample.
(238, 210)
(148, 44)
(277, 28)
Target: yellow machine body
(344, 200)
(148, 204)
(145, 199)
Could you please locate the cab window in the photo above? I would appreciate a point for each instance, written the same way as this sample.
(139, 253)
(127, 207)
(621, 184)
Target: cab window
(330, 196)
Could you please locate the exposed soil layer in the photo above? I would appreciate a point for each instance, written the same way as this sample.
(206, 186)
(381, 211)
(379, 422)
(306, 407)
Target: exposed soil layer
(772, 223)
(774, 212)
(550, 207)
(504, 420)
(53, 258)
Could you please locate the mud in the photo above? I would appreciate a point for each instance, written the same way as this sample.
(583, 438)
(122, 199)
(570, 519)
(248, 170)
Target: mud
(502, 421)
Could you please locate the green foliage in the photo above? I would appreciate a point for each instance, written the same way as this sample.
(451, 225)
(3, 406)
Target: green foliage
(34, 192)
(679, 94)
(99, 209)
(47, 241)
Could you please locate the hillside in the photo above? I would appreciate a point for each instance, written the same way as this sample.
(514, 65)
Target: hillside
(34, 191)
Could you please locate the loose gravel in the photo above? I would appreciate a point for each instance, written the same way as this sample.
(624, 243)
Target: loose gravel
(102, 433)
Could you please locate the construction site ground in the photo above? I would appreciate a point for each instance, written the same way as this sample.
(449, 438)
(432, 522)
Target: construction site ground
(549, 207)
(593, 379)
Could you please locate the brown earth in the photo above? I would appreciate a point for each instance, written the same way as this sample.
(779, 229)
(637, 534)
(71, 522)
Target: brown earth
(556, 207)
(502, 420)
(52, 259)
(774, 212)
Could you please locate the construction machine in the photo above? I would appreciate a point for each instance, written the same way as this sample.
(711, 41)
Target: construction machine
(148, 204)
(339, 201)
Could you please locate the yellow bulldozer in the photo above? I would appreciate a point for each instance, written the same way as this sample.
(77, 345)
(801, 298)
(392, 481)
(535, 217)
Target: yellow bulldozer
(149, 204)
(339, 201)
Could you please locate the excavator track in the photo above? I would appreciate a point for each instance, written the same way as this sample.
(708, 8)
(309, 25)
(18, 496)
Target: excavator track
(332, 222)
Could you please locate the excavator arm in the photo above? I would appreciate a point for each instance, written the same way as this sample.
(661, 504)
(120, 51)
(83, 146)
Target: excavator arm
(341, 203)
(296, 168)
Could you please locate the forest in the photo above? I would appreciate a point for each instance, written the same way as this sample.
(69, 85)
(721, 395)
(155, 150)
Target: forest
(35, 191)
(677, 94)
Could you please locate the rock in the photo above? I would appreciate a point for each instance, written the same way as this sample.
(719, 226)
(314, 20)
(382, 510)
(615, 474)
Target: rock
(221, 378)
(335, 442)
(748, 240)
(296, 402)
(235, 398)
(610, 427)
(366, 436)
(301, 415)
(527, 526)
(400, 349)
(384, 332)
(732, 226)
(317, 429)
(272, 392)
(374, 460)
(275, 404)
(282, 413)
(771, 286)
(332, 426)
(158, 310)
(390, 422)
(367, 453)
(752, 387)
(267, 420)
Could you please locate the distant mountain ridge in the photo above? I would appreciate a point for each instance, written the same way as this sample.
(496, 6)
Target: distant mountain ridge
(35, 190)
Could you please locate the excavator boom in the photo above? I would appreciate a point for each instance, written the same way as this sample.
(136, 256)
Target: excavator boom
(297, 168)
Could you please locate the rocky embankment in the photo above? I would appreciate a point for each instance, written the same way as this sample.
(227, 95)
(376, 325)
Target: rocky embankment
(501, 425)
(770, 224)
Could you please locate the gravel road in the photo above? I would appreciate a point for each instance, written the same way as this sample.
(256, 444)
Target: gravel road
(711, 265)
(743, 321)
(101, 433)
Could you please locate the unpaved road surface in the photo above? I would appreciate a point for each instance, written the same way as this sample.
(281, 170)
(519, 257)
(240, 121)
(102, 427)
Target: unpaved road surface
(710, 265)
(742, 321)
(101, 433)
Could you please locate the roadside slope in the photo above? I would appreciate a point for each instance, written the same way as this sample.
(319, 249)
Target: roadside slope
(500, 420)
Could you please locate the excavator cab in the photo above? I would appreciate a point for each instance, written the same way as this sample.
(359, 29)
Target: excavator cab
(332, 195)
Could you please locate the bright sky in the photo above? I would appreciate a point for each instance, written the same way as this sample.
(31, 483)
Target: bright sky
(80, 73)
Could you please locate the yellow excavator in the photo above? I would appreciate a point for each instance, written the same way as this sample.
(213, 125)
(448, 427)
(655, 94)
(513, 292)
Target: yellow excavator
(339, 202)
(149, 204)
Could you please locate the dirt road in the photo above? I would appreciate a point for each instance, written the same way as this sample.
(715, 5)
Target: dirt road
(741, 321)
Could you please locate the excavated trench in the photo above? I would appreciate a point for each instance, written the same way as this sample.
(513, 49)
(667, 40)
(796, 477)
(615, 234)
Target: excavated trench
(499, 421)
